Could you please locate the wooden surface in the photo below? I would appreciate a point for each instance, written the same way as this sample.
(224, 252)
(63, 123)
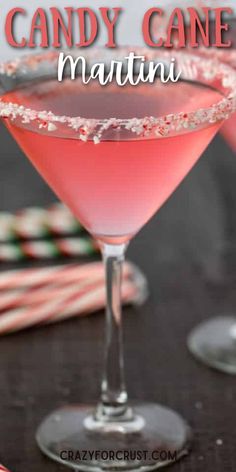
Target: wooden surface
(182, 251)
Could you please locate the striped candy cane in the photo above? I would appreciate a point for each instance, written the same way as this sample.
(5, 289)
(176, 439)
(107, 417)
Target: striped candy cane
(14, 279)
(47, 249)
(3, 469)
(40, 296)
(36, 222)
(53, 290)
(74, 303)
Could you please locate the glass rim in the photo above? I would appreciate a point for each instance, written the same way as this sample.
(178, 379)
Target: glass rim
(227, 56)
(209, 68)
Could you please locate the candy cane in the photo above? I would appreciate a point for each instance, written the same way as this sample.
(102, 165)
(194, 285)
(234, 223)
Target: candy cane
(60, 289)
(36, 222)
(67, 273)
(3, 469)
(47, 249)
(63, 307)
(41, 295)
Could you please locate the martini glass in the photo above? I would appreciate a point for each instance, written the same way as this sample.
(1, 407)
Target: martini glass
(114, 155)
(213, 342)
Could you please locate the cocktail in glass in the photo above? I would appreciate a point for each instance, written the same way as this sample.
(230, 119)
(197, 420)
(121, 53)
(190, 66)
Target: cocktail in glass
(114, 155)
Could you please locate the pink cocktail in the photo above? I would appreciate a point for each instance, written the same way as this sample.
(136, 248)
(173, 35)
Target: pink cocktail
(114, 155)
(116, 186)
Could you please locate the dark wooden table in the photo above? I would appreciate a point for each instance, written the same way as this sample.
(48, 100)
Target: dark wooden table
(188, 255)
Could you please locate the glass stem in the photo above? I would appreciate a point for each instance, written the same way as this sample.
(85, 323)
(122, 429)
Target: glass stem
(113, 404)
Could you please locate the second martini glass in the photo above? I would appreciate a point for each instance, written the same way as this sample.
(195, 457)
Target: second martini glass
(114, 165)
(214, 341)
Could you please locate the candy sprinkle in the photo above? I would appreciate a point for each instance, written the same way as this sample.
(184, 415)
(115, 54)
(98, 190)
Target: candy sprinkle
(204, 69)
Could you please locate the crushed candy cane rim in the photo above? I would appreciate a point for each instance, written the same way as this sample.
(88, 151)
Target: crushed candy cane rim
(3, 469)
(226, 56)
(193, 66)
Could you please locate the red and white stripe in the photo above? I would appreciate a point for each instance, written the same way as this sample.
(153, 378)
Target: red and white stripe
(37, 296)
(33, 222)
(44, 293)
(71, 303)
(3, 469)
(41, 276)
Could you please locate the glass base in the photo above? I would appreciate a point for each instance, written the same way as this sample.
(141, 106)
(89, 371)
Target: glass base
(154, 437)
(214, 343)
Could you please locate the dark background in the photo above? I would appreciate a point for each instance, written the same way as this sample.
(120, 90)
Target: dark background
(188, 252)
